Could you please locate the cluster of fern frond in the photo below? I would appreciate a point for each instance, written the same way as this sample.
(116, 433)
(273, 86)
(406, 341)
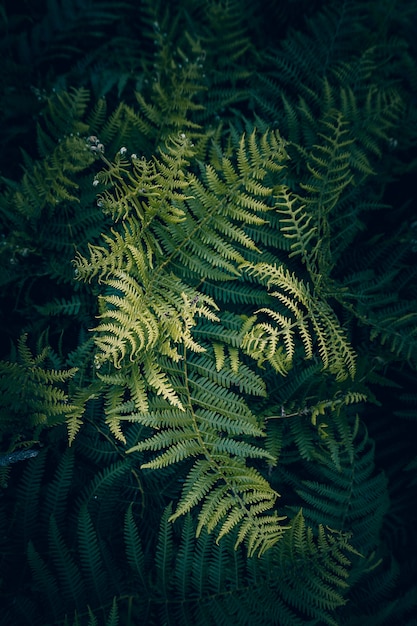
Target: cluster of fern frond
(207, 259)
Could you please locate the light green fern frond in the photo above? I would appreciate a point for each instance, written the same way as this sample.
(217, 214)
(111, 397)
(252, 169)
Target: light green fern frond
(183, 220)
(329, 167)
(213, 429)
(305, 314)
(297, 224)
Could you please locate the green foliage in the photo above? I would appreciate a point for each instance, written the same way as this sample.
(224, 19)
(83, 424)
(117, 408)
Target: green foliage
(32, 393)
(207, 409)
(169, 575)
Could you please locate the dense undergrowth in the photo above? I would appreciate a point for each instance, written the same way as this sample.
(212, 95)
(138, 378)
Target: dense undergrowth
(209, 340)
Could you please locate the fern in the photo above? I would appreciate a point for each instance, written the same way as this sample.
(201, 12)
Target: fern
(276, 344)
(238, 605)
(191, 577)
(374, 598)
(250, 296)
(68, 571)
(90, 556)
(64, 21)
(112, 617)
(237, 493)
(134, 551)
(29, 489)
(32, 391)
(340, 498)
(57, 490)
(46, 583)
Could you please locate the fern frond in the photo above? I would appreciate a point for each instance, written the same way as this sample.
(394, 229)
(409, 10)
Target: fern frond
(228, 490)
(58, 489)
(396, 327)
(322, 565)
(90, 556)
(61, 307)
(311, 317)
(164, 551)
(343, 499)
(44, 578)
(296, 224)
(244, 379)
(28, 494)
(68, 572)
(32, 391)
(134, 550)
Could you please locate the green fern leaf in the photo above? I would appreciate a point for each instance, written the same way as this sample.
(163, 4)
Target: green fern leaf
(90, 555)
(164, 553)
(309, 314)
(113, 617)
(58, 489)
(134, 550)
(44, 578)
(69, 575)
